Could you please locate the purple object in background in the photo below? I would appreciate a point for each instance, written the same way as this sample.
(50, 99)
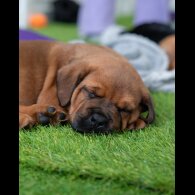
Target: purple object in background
(147, 11)
(30, 35)
(95, 16)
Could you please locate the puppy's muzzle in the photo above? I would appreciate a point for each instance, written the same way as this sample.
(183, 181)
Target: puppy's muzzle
(94, 123)
(97, 121)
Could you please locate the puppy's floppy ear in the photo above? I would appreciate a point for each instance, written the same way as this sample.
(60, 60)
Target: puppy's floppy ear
(68, 78)
(147, 105)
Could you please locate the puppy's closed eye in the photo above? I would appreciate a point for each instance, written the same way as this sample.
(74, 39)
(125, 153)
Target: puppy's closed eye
(124, 110)
(91, 94)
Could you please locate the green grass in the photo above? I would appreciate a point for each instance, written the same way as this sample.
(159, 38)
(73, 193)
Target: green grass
(59, 31)
(58, 161)
(67, 32)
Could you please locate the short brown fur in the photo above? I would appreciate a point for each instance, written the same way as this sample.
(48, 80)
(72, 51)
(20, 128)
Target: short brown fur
(65, 76)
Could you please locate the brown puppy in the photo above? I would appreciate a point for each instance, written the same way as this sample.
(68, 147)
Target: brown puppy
(92, 87)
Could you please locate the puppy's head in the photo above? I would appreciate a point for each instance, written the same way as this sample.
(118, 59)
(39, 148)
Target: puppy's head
(104, 96)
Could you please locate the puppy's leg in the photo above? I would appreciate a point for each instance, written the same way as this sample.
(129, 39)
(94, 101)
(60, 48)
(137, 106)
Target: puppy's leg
(46, 109)
(25, 121)
(39, 114)
(49, 96)
(138, 124)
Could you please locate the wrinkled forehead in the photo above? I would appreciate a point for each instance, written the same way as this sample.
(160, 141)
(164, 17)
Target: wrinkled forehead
(113, 89)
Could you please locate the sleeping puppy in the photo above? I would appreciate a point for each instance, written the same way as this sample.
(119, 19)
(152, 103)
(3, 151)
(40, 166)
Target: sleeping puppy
(92, 87)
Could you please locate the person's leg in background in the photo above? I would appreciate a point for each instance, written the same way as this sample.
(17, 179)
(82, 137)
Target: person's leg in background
(95, 16)
(147, 11)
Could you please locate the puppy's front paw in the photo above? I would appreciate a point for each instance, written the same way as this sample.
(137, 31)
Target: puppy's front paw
(51, 116)
(138, 124)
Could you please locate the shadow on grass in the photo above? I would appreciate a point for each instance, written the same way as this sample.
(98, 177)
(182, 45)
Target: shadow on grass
(86, 176)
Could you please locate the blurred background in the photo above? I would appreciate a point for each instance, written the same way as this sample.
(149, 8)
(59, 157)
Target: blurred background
(57, 17)
(29, 7)
(143, 31)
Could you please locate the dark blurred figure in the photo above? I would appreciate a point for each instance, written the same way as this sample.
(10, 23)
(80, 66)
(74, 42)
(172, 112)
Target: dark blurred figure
(65, 11)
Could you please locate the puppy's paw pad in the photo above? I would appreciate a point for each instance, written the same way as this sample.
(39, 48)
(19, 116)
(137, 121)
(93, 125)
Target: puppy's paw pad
(51, 110)
(61, 116)
(44, 120)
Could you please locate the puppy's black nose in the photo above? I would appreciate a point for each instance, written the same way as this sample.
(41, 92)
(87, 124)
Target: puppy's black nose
(98, 121)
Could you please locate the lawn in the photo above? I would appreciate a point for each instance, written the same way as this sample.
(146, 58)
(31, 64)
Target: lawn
(59, 161)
